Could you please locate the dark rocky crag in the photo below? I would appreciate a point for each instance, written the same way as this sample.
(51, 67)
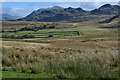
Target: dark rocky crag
(58, 14)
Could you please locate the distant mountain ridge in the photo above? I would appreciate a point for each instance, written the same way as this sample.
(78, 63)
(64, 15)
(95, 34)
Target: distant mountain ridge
(57, 13)
(106, 9)
(8, 17)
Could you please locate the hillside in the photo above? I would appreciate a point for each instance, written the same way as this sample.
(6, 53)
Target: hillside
(9, 17)
(111, 23)
(59, 14)
(106, 9)
(116, 17)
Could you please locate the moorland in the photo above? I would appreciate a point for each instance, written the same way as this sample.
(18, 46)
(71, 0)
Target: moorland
(85, 49)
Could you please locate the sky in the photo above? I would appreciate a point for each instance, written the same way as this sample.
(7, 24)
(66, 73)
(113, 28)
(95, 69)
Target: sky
(21, 8)
(60, 0)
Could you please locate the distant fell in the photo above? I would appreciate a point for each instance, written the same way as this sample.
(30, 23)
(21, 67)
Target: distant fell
(8, 17)
(106, 9)
(58, 14)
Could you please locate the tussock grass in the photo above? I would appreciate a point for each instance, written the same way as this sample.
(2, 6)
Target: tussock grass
(65, 63)
(92, 55)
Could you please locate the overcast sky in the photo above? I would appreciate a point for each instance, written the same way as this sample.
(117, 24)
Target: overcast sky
(21, 8)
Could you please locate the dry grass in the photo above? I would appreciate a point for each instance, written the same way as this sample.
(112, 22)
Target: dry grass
(85, 61)
(92, 55)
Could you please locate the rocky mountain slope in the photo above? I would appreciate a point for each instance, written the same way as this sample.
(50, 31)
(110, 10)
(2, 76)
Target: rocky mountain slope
(116, 17)
(106, 9)
(58, 14)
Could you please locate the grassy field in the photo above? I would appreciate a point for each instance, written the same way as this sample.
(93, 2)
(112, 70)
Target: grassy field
(91, 54)
(13, 74)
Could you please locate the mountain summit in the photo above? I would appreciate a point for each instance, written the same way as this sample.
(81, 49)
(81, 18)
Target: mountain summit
(56, 7)
(57, 13)
(107, 9)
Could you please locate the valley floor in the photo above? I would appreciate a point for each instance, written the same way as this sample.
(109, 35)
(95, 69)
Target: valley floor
(93, 54)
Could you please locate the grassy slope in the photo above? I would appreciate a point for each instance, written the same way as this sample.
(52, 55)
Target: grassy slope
(11, 74)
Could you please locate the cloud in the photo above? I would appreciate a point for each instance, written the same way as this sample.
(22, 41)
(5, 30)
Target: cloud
(16, 11)
(84, 5)
(95, 0)
(33, 0)
(66, 5)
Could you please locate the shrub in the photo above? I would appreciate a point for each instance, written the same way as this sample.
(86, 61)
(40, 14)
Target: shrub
(50, 36)
(8, 36)
(26, 36)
